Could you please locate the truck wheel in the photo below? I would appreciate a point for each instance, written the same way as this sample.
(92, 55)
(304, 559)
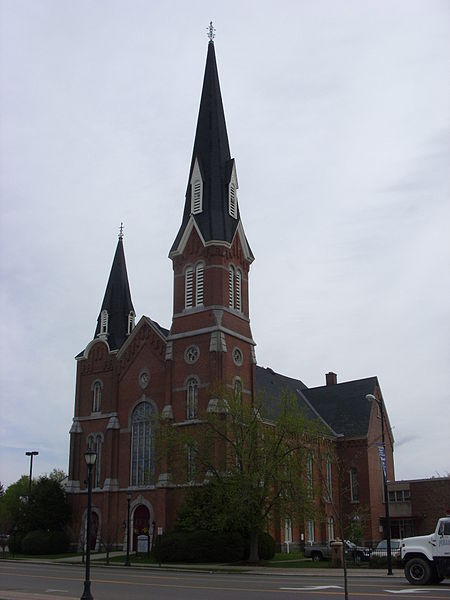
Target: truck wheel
(418, 571)
(316, 556)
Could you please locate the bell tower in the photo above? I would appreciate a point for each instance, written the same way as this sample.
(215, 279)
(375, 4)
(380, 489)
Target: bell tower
(210, 341)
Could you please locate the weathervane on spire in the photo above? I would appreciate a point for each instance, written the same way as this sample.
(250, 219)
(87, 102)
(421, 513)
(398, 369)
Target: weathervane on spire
(121, 231)
(211, 31)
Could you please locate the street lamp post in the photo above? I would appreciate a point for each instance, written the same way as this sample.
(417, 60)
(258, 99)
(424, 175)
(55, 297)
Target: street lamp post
(127, 560)
(371, 397)
(31, 454)
(90, 457)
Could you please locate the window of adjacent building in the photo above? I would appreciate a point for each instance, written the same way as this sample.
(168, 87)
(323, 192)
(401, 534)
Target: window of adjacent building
(193, 278)
(329, 480)
(235, 288)
(354, 485)
(104, 322)
(142, 444)
(192, 399)
(330, 528)
(310, 531)
(399, 496)
(96, 396)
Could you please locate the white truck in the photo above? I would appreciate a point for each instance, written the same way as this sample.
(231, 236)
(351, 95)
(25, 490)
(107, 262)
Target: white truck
(426, 559)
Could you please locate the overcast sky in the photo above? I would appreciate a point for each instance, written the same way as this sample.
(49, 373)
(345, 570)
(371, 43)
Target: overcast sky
(338, 118)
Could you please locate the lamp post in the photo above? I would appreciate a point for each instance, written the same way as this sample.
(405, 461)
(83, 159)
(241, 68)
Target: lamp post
(127, 560)
(90, 457)
(31, 454)
(371, 398)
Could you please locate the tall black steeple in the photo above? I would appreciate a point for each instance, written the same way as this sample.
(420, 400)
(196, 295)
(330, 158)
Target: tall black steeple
(211, 195)
(116, 318)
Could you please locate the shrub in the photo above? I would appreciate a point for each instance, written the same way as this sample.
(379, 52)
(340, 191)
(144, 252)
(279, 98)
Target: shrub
(199, 546)
(45, 542)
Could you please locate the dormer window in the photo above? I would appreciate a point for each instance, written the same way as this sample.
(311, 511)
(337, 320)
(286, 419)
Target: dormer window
(104, 322)
(131, 318)
(196, 190)
(232, 194)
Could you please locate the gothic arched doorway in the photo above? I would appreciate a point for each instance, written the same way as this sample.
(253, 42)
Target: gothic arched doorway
(141, 523)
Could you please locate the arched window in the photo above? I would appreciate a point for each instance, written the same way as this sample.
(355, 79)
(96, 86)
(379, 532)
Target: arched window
(193, 285)
(96, 396)
(192, 399)
(231, 286)
(310, 531)
(98, 460)
(235, 288)
(199, 284)
(232, 206)
(354, 486)
(142, 444)
(238, 290)
(191, 466)
(237, 389)
(309, 476)
(330, 527)
(188, 287)
(196, 190)
(329, 481)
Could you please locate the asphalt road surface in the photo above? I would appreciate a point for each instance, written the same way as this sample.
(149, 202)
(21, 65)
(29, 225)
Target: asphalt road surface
(30, 581)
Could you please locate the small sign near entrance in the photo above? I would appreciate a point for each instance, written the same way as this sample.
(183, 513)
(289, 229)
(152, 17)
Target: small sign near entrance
(142, 543)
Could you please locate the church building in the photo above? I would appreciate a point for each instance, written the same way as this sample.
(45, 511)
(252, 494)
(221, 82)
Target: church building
(133, 373)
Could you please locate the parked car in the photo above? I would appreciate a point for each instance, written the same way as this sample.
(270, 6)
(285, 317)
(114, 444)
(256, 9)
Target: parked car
(323, 551)
(381, 549)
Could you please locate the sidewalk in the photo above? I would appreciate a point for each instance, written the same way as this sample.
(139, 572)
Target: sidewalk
(226, 568)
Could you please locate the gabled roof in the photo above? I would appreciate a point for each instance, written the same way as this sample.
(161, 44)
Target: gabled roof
(271, 386)
(117, 301)
(212, 151)
(344, 405)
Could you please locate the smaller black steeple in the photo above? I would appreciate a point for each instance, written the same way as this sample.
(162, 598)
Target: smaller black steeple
(116, 318)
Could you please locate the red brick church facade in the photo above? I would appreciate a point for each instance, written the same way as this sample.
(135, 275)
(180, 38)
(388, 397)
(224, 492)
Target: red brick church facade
(130, 375)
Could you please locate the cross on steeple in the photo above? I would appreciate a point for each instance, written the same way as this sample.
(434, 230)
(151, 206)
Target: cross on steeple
(211, 31)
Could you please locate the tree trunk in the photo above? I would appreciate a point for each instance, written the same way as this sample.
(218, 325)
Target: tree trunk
(254, 551)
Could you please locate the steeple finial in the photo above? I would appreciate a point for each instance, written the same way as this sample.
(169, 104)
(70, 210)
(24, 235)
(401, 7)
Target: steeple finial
(211, 31)
(121, 232)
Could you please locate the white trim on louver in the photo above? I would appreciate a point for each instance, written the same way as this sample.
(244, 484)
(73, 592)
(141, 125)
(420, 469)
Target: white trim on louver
(232, 194)
(238, 301)
(104, 318)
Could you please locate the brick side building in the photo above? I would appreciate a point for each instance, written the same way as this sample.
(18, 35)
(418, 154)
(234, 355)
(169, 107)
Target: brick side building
(131, 374)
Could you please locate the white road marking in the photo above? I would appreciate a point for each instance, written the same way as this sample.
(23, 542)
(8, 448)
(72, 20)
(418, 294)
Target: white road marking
(408, 591)
(313, 588)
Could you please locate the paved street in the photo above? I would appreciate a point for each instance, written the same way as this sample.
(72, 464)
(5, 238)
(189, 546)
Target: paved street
(34, 581)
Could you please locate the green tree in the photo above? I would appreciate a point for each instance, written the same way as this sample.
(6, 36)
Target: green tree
(12, 502)
(256, 455)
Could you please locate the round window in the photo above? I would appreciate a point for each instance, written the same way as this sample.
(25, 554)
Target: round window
(237, 357)
(191, 354)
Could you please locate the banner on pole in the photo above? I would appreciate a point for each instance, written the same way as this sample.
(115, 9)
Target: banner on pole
(382, 455)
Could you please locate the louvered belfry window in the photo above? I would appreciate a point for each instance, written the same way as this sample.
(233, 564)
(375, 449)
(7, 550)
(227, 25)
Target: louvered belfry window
(194, 285)
(188, 287)
(232, 200)
(235, 288)
(196, 197)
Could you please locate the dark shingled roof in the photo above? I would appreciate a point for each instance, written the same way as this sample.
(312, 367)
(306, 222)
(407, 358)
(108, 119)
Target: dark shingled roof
(272, 385)
(343, 405)
(117, 301)
(212, 151)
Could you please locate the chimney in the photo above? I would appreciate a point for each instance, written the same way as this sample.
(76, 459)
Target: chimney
(331, 378)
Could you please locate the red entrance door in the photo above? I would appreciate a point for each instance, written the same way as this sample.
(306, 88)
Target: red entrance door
(141, 523)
